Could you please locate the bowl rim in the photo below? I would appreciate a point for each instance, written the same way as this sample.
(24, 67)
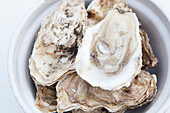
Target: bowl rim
(15, 37)
(13, 40)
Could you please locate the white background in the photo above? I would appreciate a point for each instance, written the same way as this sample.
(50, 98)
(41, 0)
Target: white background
(11, 12)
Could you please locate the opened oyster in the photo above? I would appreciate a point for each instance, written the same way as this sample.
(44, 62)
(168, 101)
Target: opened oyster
(75, 93)
(110, 54)
(57, 42)
(98, 10)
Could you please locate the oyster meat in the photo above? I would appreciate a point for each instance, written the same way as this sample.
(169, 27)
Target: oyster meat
(111, 54)
(76, 93)
(57, 42)
(46, 99)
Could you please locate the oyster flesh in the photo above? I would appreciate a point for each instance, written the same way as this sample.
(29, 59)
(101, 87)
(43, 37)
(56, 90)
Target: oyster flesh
(57, 42)
(111, 54)
(76, 93)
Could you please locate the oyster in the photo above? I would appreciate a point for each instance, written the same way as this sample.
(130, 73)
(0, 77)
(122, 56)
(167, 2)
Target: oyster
(111, 54)
(57, 42)
(98, 10)
(148, 58)
(46, 99)
(76, 93)
(94, 111)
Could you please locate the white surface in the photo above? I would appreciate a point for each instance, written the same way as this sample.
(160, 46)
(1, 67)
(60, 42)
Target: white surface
(11, 11)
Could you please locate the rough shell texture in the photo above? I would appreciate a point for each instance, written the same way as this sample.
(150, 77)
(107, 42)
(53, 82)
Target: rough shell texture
(149, 60)
(97, 11)
(94, 111)
(57, 42)
(75, 93)
(46, 99)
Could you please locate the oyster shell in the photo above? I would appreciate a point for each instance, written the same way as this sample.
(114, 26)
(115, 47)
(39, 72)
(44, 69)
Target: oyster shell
(98, 10)
(111, 53)
(94, 111)
(57, 42)
(148, 58)
(46, 99)
(76, 93)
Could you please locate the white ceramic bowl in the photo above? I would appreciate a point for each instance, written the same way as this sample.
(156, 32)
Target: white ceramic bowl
(153, 20)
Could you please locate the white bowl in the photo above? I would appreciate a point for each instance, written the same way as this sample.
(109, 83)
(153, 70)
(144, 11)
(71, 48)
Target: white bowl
(153, 20)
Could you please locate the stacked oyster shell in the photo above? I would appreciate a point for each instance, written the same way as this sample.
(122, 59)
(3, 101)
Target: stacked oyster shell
(92, 61)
